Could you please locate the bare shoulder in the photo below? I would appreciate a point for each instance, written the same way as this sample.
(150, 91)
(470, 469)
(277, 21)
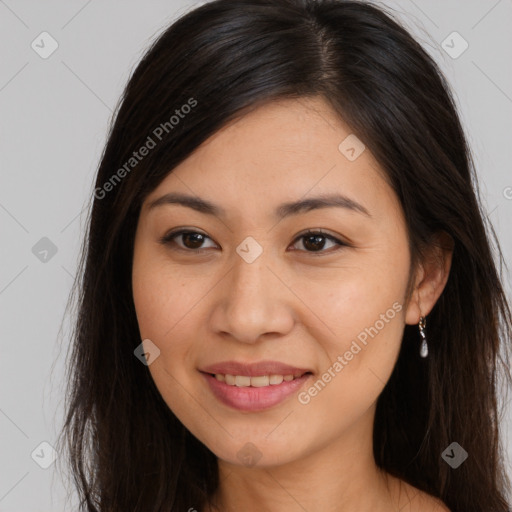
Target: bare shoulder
(414, 500)
(429, 503)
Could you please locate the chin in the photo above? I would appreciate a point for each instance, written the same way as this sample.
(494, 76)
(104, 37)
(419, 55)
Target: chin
(255, 452)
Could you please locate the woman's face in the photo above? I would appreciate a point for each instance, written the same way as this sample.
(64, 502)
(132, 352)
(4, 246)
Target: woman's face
(251, 287)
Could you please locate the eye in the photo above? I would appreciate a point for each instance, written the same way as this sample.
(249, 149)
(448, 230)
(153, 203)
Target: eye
(191, 240)
(314, 241)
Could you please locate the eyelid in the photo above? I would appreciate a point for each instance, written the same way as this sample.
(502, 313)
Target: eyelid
(319, 231)
(169, 237)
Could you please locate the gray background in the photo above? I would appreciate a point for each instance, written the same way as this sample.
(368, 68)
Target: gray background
(53, 121)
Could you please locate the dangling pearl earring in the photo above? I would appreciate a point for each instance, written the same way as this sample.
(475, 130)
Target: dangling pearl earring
(424, 346)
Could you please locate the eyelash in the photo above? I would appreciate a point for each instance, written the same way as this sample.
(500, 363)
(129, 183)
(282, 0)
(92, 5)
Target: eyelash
(169, 237)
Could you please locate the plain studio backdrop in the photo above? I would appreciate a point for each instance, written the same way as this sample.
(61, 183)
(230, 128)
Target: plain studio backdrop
(56, 99)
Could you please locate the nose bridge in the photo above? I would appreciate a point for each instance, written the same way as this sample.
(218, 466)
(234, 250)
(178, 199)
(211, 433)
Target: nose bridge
(248, 279)
(250, 271)
(253, 303)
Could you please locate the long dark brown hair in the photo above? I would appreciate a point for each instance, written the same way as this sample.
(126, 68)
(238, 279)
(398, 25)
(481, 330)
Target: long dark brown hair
(126, 449)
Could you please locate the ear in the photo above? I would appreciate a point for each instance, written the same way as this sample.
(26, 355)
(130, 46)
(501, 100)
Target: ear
(430, 278)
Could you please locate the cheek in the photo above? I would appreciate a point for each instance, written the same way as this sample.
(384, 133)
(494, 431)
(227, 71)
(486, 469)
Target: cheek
(168, 303)
(163, 296)
(358, 360)
(366, 293)
(359, 326)
(164, 304)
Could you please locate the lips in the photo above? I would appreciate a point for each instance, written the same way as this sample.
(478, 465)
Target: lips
(245, 392)
(254, 369)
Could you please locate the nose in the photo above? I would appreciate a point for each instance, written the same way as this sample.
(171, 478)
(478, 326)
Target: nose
(253, 301)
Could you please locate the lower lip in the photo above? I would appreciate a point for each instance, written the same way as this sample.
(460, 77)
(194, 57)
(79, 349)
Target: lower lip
(251, 398)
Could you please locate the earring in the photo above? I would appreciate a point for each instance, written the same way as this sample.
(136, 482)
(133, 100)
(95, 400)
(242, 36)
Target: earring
(424, 346)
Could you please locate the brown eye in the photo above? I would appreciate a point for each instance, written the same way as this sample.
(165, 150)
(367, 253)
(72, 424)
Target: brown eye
(315, 241)
(190, 240)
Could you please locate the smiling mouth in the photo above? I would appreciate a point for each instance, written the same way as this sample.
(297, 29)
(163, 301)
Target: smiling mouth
(254, 393)
(260, 381)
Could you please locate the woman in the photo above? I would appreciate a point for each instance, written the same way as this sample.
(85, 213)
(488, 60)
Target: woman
(288, 297)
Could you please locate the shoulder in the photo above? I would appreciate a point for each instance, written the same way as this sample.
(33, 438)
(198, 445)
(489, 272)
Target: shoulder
(423, 502)
(428, 503)
(414, 500)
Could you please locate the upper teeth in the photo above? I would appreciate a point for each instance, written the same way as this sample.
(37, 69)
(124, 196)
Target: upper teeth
(257, 382)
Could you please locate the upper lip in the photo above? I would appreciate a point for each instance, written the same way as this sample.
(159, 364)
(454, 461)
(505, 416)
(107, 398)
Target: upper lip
(254, 369)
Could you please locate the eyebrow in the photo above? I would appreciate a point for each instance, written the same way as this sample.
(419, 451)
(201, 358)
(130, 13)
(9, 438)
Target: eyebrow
(282, 211)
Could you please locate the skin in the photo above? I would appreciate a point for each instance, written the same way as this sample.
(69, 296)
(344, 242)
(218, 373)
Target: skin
(294, 304)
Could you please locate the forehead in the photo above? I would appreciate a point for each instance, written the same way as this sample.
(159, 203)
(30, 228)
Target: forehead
(281, 151)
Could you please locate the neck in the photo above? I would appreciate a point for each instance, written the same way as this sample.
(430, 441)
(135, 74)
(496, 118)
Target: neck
(340, 476)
